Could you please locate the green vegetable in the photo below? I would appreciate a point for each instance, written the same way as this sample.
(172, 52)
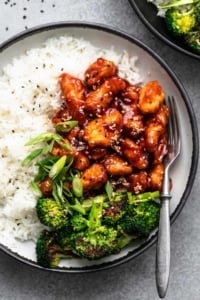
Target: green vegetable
(78, 222)
(77, 186)
(192, 39)
(57, 167)
(26, 161)
(96, 240)
(180, 20)
(175, 3)
(88, 227)
(51, 213)
(140, 219)
(66, 126)
(48, 251)
(109, 190)
(48, 139)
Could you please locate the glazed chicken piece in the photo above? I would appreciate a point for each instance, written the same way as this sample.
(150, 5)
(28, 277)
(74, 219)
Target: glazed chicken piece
(153, 132)
(156, 128)
(99, 70)
(156, 177)
(139, 182)
(99, 99)
(161, 150)
(163, 115)
(97, 153)
(57, 150)
(134, 154)
(104, 131)
(151, 97)
(132, 120)
(45, 186)
(117, 166)
(81, 161)
(94, 177)
(131, 93)
(73, 92)
(61, 116)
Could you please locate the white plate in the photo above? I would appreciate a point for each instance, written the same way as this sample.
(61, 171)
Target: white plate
(151, 67)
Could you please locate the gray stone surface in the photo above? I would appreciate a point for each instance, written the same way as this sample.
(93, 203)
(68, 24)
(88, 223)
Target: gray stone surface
(135, 279)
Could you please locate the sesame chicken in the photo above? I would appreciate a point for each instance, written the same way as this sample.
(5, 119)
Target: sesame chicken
(103, 131)
(94, 177)
(151, 97)
(116, 165)
(99, 99)
(134, 154)
(73, 92)
(98, 71)
(121, 132)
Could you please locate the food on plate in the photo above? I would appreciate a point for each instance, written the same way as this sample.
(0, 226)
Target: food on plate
(85, 172)
(182, 19)
(101, 170)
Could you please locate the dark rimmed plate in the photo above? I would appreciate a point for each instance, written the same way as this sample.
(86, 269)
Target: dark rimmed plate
(147, 12)
(151, 67)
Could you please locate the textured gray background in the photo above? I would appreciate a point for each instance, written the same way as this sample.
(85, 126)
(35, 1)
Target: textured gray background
(135, 279)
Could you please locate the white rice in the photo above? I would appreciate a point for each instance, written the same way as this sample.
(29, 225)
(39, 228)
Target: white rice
(29, 95)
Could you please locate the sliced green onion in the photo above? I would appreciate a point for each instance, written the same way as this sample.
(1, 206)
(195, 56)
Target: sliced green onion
(35, 189)
(64, 146)
(44, 137)
(58, 192)
(77, 207)
(48, 148)
(66, 126)
(174, 3)
(27, 160)
(77, 186)
(109, 190)
(57, 167)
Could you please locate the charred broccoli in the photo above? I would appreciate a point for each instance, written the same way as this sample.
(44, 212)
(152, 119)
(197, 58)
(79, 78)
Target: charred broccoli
(180, 20)
(78, 222)
(48, 252)
(141, 219)
(101, 226)
(113, 212)
(96, 240)
(51, 213)
(192, 39)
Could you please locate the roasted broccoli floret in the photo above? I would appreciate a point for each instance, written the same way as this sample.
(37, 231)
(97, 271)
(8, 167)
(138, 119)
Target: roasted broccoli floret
(51, 213)
(180, 20)
(96, 240)
(140, 218)
(113, 213)
(192, 40)
(48, 252)
(78, 222)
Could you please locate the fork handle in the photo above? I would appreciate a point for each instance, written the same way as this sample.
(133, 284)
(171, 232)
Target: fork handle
(163, 247)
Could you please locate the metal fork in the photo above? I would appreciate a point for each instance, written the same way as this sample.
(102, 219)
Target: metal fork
(163, 244)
